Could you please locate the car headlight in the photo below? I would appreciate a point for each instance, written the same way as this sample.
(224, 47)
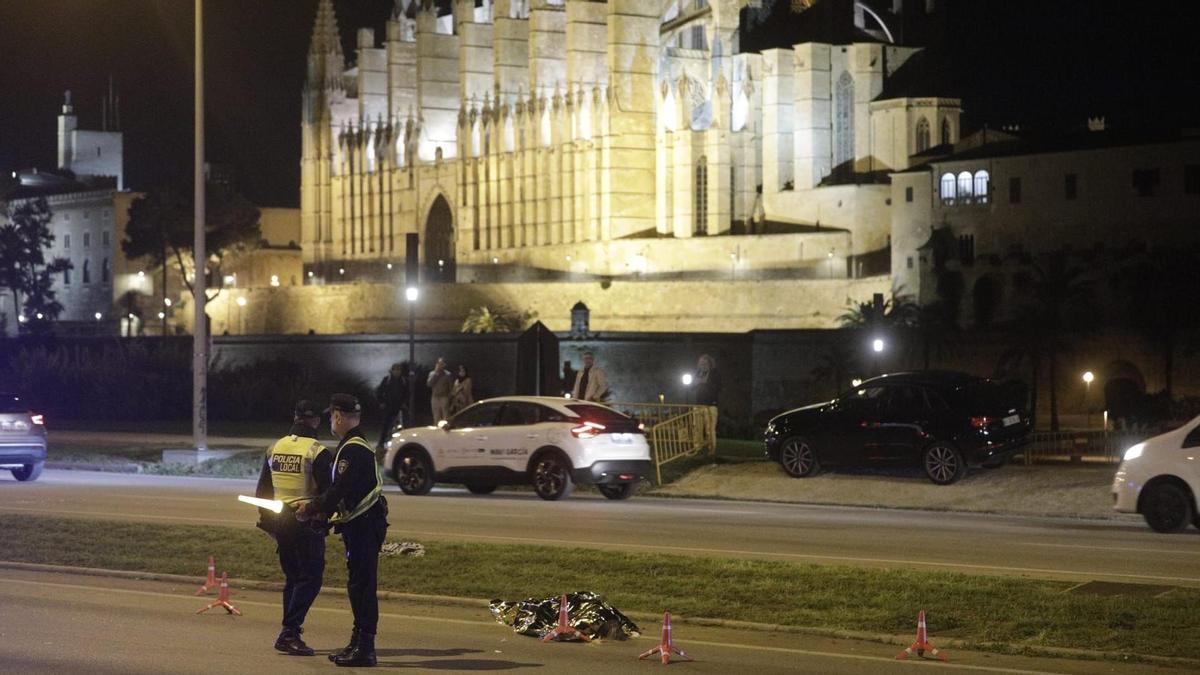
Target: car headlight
(1134, 451)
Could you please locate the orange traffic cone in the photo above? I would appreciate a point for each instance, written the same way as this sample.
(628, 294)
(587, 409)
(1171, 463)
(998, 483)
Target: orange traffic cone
(211, 582)
(222, 598)
(666, 648)
(922, 644)
(564, 625)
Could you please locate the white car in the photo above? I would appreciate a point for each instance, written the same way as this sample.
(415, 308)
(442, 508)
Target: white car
(551, 443)
(1160, 478)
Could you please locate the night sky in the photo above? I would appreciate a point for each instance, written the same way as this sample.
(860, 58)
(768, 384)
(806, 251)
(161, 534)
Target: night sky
(1045, 64)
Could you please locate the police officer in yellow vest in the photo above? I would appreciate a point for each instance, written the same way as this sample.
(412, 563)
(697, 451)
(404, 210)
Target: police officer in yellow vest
(355, 505)
(297, 469)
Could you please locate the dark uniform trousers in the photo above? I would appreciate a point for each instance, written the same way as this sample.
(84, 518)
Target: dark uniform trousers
(302, 558)
(363, 537)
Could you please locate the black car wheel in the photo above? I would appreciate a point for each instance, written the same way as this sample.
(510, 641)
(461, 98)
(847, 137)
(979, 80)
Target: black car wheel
(552, 477)
(413, 473)
(28, 472)
(798, 458)
(615, 492)
(1166, 508)
(481, 488)
(943, 463)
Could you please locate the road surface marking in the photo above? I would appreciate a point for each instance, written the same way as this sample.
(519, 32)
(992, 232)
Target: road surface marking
(473, 622)
(676, 549)
(1116, 548)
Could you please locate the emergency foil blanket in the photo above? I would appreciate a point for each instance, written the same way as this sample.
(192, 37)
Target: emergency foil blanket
(586, 612)
(402, 548)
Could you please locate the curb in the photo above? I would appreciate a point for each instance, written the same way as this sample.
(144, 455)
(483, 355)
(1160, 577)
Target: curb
(650, 618)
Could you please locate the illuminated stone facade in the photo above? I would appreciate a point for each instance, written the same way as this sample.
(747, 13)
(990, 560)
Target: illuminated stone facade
(603, 139)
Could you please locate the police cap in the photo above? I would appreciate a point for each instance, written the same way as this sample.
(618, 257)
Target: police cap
(345, 403)
(306, 408)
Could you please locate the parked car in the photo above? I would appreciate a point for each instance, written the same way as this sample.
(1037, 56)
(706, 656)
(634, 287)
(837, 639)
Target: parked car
(22, 438)
(943, 421)
(551, 443)
(1160, 478)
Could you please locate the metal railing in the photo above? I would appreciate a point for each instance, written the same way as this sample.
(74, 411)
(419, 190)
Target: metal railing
(675, 431)
(1075, 446)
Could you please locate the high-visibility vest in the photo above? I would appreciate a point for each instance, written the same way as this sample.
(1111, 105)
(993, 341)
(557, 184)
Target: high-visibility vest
(291, 461)
(369, 500)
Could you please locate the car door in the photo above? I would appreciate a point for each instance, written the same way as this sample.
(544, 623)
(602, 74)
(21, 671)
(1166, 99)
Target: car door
(516, 435)
(849, 435)
(467, 436)
(898, 431)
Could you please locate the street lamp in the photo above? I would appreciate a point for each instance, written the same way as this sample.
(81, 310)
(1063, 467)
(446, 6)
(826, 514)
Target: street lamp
(1088, 376)
(411, 294)
(877, 346)
(687, 379)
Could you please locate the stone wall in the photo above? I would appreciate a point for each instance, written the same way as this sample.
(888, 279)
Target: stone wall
(677, 306)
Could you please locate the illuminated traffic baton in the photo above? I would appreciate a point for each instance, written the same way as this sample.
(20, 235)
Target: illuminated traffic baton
(269, 504)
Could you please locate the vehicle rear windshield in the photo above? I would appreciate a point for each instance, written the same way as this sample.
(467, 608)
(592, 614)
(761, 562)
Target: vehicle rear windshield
(594, 413)
(992, 397)
(10, 403)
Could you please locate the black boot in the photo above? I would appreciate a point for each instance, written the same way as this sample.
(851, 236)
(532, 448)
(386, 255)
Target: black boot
(348, 648)
(363, 654)
(290, 643)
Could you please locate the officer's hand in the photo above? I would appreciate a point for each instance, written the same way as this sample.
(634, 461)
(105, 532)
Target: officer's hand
(302, 513)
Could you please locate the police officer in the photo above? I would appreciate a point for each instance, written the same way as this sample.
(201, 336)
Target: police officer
(355, 505)
(297, 469)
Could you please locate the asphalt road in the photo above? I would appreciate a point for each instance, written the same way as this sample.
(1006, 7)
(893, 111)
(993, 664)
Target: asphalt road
(971, 543)
(63, 623)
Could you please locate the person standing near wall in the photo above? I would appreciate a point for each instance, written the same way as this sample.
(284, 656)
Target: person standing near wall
(707, 381)
(441, 384)
(392, 394)
(591, 383)
(461, 395)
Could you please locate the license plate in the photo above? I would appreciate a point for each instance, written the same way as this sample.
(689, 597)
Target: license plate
(1011, 420)
(13, 426)
(622, 439)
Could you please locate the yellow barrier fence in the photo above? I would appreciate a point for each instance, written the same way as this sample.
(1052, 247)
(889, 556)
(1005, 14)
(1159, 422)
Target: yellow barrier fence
(675, 430)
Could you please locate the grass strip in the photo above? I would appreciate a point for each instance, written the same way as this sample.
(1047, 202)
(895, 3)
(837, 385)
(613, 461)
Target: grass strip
(979, 609)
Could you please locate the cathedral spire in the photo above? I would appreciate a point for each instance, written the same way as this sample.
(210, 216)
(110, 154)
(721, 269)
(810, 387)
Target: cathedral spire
(326, 61)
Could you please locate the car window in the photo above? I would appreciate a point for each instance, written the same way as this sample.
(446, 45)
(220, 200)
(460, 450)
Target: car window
(863, 399)
(1193, 438)
(935, 401)
(597, 414)
(905, 400)
(478, 415)
(548, 414)
(519, 413)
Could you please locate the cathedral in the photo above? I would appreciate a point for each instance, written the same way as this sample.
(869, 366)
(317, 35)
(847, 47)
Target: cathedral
(652, 139)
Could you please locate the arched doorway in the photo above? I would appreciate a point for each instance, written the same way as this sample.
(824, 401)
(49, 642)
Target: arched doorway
(439, 242)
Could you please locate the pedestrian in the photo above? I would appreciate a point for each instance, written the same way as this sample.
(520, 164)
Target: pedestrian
(357, 510)
(461, 395)
(590, 383)
(707, 381)
(440, 383)
(392, 394)
(568, 378)
(296, 469)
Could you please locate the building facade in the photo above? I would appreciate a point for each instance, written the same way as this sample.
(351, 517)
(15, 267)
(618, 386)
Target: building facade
(628, 138)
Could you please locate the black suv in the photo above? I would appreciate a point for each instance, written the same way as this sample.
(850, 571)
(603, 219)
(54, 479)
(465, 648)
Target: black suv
(943, 421)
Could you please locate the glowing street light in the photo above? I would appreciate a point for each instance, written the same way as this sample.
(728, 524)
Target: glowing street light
(99, 316)
(241, 301)
(1088, 376)
(877, 345)
(412, 293)
(687, 379)
(167, 302)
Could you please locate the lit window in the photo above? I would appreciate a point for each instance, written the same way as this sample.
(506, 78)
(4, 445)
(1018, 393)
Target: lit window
(981, 186)
(922, 135)
(965, 180)
(948, 185)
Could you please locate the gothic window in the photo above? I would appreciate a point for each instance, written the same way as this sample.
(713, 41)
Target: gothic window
(67, 277)
(966, 248)
(922, 135)
(104, 272)
(948, 185)
(66, 241)
(87, 273)
(981, 186)
(965, 182)
(701, 210)
(843, 130)
(945, 132)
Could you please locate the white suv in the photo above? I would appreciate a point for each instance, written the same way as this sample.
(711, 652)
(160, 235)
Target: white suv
(1160, 479)
(551, 443)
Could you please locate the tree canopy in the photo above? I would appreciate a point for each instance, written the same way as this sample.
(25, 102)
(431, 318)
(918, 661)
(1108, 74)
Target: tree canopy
(24, 269)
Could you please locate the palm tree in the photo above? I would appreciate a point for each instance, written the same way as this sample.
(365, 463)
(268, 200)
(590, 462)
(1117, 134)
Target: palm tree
(835, 365)
(1059, 300)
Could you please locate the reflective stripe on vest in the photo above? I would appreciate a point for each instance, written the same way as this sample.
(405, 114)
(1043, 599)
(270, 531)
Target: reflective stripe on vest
(373, 496)
(291, 459)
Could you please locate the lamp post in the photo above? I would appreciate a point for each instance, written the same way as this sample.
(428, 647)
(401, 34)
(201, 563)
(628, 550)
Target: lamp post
(411, 294)
(1088, 376)
(200, 324)
(877, 346)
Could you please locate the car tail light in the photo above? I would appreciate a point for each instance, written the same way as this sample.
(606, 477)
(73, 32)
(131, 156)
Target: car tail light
(587, 430)
(37, 419)
(982, 422)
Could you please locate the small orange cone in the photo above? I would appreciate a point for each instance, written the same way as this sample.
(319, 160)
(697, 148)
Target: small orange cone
(922, 643)
(222, 598)
(564, 625)
(211, 582)
(666, 648)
